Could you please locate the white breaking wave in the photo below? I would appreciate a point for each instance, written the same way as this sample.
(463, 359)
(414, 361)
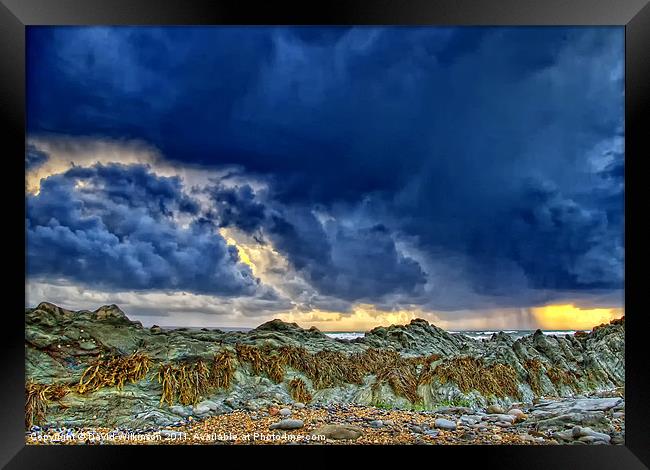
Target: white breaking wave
(347, 335)
(562, 333)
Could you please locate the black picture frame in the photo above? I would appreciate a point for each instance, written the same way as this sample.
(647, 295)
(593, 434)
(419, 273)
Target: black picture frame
(15, 15)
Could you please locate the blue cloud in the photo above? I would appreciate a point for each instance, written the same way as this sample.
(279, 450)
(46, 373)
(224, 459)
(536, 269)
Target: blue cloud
(116, 227)
(34, 158)
(350, 263)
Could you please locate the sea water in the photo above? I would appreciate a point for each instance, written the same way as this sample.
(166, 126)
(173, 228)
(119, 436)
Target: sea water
(474, 334)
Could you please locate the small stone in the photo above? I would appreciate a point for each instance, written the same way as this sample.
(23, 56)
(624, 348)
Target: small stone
(180, 410)
(563, 435)
(377, 423)
(588, 432)
(286, 412)
(389, 422)
(338, 431)
(468, 420)
(442, 423)
(502, 418)
(299, 405)
(213, 406)
(518, 414)
(288, 424)
(417, 429)
(495, 409)
(617, 440)
(201, 409)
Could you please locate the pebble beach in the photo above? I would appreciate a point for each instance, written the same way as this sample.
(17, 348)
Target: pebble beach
(297, 424)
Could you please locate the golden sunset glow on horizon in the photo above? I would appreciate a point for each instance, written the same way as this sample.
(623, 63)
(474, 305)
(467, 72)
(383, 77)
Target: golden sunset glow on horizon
(363, 317)
(570, 317)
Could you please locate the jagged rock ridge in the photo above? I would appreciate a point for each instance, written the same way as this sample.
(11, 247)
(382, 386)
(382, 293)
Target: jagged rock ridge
(428, 361)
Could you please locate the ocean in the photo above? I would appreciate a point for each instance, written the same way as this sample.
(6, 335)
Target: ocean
(478, 334)
(350, 335)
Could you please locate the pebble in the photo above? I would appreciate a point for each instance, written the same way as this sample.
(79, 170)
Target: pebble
(443, 423)
(377, 423)
(502, 418)
(518, 414)
(298, 405)
(495, 409)
(338, 431)
(288, 424)
(213, 406)
(201, 409)
(181, 410)
(286, 412)
(468, 420)
(580, 432)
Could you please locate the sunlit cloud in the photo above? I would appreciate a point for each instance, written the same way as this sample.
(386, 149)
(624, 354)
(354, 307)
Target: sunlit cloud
(65, 152)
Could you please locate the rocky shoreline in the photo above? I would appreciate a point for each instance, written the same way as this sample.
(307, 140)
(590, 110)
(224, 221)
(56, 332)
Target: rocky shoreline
(96, 372)
(579, 421)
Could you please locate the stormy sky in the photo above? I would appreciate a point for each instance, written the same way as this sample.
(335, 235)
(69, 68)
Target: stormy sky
(337, 177)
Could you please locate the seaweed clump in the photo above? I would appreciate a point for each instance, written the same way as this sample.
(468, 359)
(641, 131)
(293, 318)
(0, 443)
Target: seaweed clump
(185, 382)
(115, 371)
(562, 377)
(223, 370)
(190, 379)
(534, 369)
(472, 374)
(263, 360)
(298, 390)
(399, 373)
(37, 397)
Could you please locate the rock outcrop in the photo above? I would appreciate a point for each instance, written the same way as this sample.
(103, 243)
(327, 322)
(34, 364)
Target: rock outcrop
(412, 366)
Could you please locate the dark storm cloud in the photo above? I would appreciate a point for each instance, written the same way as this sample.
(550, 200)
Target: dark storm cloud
(360, 263)
(114, 227)
(236, 206)
(34, 158)
(482, 145)
(559, 243)
(352, 263)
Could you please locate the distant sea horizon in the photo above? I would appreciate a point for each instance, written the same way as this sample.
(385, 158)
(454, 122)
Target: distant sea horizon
(349, 335)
